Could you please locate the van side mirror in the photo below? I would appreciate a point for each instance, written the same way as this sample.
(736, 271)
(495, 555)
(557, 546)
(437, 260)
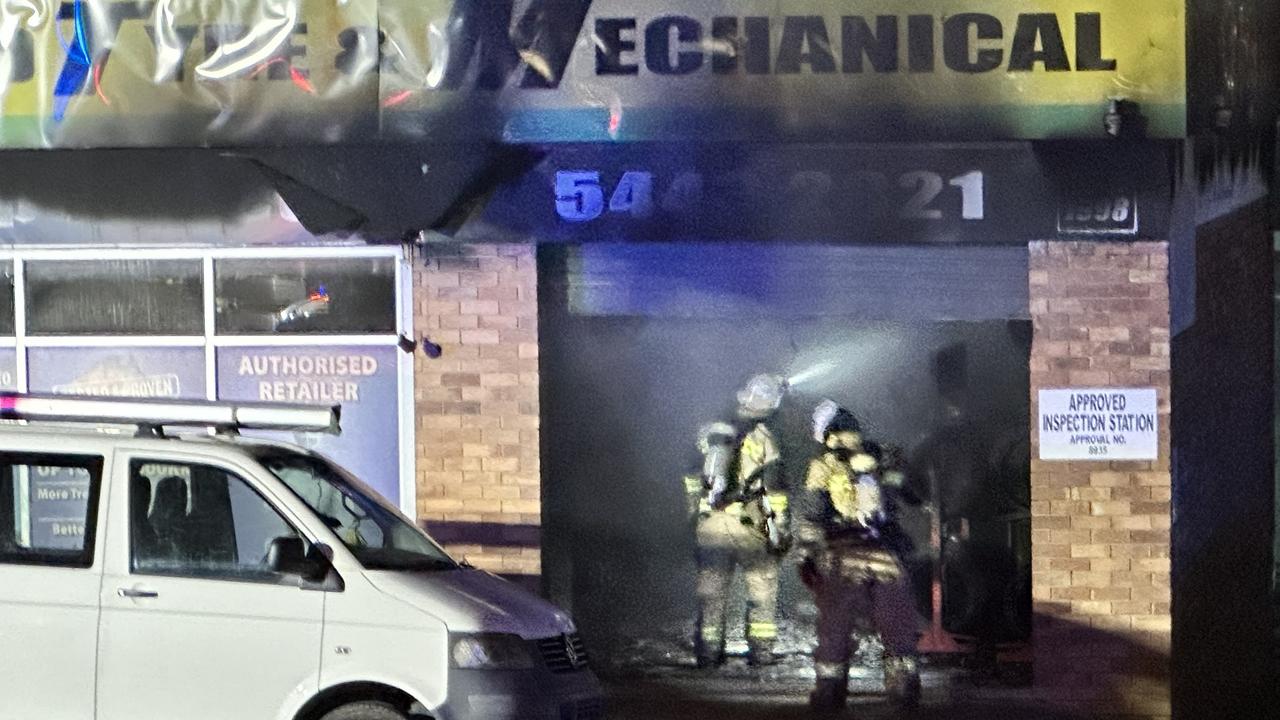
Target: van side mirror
(287, 556)
(291, 556)
(314, 564)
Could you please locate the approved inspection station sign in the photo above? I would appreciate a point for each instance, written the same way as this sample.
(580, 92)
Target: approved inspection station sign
(1098, 424)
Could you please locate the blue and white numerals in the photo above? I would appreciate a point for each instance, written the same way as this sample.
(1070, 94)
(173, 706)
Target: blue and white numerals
(580, 195)
(583, 196)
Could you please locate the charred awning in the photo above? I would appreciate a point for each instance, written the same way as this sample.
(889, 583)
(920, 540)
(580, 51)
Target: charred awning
(245, 196)
(389, 191)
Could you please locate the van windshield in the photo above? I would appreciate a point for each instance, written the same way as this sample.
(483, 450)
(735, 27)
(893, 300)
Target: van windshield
(375, 532)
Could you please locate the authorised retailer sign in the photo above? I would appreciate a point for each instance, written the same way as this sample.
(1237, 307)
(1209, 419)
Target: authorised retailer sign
(1098, 424)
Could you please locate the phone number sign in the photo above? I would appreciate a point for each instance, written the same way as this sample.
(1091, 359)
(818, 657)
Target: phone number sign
(999, 194)
(916, 194)
(1099, 424)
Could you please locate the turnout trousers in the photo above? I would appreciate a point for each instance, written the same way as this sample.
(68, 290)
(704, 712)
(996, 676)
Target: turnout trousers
(726, 542)
(864, 582)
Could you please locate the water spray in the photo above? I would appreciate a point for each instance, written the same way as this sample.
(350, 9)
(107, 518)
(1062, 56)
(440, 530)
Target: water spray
(811, 373)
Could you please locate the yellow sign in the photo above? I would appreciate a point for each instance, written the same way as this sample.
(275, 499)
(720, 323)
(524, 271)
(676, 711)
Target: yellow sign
(98, 72)
(143, 72)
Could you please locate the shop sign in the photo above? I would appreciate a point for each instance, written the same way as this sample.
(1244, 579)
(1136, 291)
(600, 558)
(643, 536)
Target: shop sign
(59, 494)
(1098, 424)
(363, 380)
(144, 72)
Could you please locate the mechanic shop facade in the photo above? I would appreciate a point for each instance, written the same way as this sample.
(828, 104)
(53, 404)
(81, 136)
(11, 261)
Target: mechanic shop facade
(531, 266)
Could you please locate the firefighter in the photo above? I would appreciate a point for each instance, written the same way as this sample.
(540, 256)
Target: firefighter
(739, 508)
(850, 568)
(896, 495)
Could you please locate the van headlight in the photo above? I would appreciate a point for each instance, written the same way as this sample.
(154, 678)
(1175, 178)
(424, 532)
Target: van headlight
(490, 651)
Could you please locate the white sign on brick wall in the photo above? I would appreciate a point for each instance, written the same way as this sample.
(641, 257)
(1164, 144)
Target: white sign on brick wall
(1098, 424)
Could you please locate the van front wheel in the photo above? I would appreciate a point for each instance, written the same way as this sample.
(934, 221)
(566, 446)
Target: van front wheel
(364, 711)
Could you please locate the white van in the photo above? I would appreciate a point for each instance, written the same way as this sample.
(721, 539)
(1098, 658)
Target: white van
(145, 577)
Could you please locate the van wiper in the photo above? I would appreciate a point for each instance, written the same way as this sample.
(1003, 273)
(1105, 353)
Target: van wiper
(420, 564)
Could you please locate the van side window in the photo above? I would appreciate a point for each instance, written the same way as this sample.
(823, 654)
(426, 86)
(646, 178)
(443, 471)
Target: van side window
(49, 508)
(200, 521)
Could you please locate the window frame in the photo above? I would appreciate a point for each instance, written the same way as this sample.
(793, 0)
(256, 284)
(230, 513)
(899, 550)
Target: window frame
(211, 341)
(142, 458)
(95, 465)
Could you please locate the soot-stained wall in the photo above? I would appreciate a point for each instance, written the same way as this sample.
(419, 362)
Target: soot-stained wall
(1223, 477)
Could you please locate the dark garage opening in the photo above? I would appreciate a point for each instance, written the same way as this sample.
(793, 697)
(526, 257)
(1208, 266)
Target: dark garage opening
(641, 344)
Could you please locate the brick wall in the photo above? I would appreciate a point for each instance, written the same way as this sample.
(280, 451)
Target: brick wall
(1101, 530)
(479, 489)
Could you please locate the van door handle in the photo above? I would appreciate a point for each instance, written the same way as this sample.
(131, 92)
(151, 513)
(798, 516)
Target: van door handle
(134, 593)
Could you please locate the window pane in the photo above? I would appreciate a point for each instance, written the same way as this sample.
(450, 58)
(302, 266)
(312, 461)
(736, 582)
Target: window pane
(115, 297)
(45, 503)
(362, 379)
(200, 521)
(372, 530)
(6, 298)
(346, 296)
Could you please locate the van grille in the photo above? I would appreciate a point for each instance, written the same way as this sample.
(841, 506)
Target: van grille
(563, 653)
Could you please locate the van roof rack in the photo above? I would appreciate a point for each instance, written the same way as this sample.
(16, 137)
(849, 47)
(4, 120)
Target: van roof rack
(152, 416)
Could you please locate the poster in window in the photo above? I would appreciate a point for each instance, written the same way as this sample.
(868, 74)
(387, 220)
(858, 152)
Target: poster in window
(363, 380)
(8, 369)
(58, 495)
(136, 372)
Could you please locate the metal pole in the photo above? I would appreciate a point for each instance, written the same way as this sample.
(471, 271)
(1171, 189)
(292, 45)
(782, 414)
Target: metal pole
(937, 640)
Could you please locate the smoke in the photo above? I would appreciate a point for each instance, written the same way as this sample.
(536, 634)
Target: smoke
(626, 394)
(868, 357)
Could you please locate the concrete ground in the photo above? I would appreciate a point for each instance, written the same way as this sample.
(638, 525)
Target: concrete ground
(697, 696)
(657, 680)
